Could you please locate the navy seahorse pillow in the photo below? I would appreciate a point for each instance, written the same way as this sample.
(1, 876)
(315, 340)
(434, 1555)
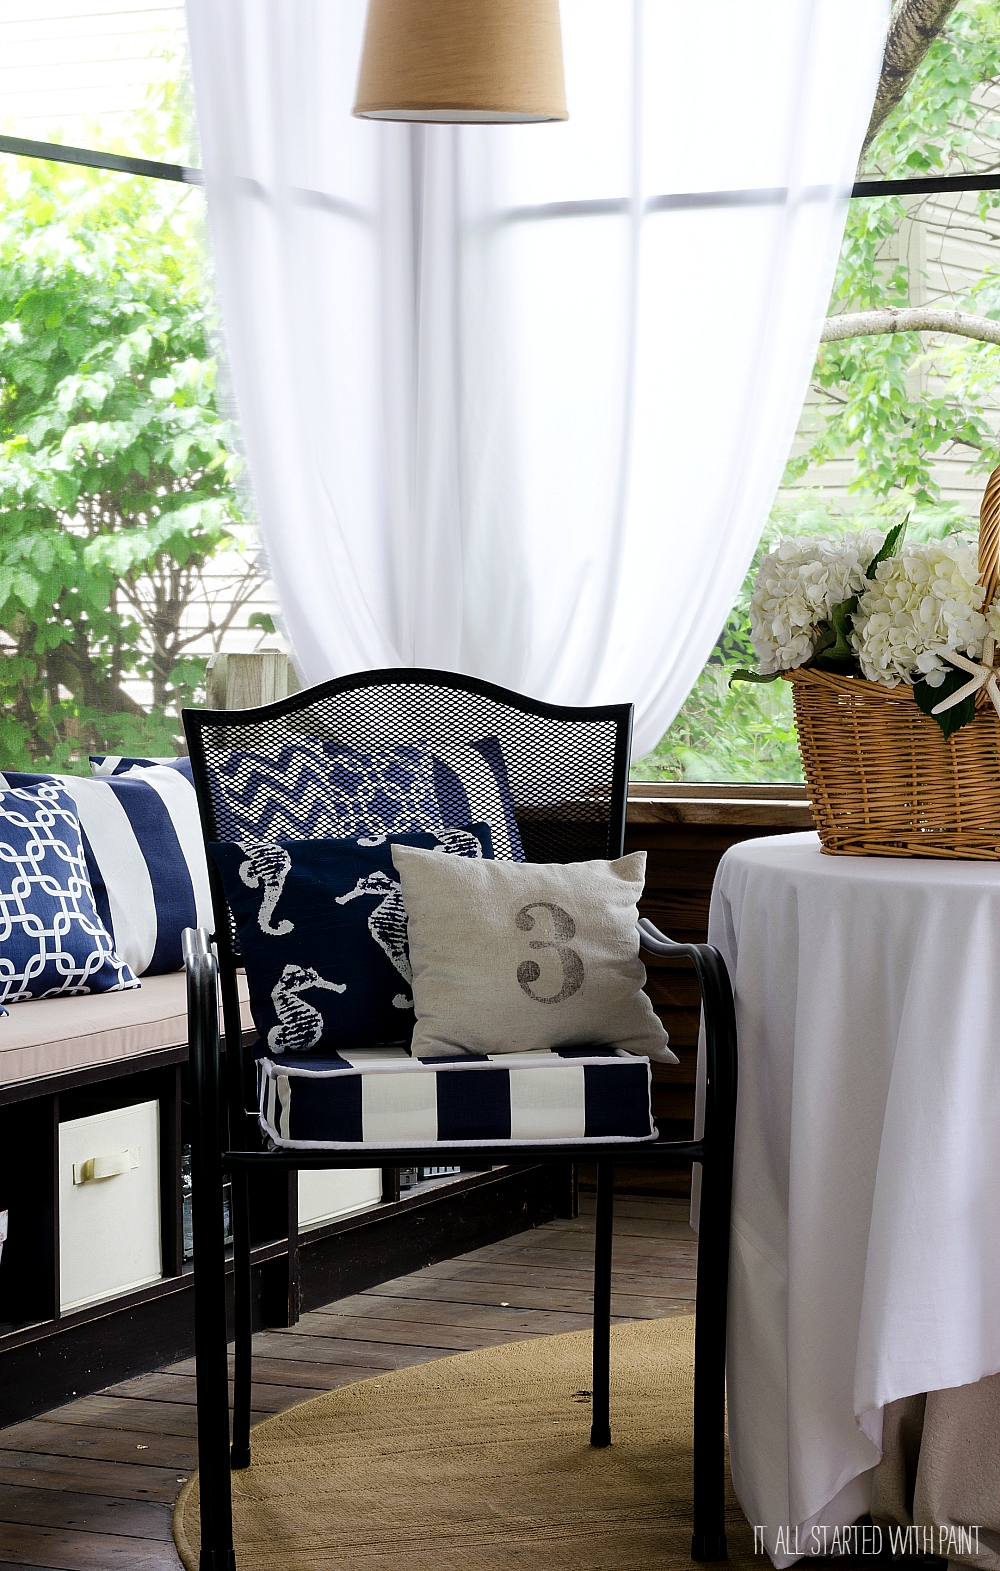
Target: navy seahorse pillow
(322, 932)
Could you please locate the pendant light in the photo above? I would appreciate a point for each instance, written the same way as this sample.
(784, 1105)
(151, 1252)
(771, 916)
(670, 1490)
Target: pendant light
(462, 61)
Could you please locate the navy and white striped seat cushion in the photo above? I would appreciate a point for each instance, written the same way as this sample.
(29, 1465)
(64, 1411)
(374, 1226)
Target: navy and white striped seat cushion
(146, 859)
(383, 1098)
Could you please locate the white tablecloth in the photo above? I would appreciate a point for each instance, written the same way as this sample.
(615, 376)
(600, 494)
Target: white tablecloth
(866, 1210)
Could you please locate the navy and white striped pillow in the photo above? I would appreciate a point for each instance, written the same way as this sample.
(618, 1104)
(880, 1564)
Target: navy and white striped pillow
(104, 764)
(146, 857)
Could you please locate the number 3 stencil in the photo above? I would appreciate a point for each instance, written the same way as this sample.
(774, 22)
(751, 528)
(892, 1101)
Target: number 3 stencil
(563, 927)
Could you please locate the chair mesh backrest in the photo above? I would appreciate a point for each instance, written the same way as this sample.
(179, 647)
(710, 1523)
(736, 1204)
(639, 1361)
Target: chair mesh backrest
(568, 768)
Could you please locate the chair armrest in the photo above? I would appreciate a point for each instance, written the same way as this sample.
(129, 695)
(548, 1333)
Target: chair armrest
(202, 966)
(719, 1015)
(195, 941)
(650, 938)
(204, 1046)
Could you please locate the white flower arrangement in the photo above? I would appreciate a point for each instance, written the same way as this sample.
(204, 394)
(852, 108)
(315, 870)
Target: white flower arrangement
(892, 613)
(798, 587)
(926, 599)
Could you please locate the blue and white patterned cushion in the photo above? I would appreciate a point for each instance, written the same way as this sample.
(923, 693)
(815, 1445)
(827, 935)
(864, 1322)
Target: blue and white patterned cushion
(472, 786)
(322, 933)
(315, 789)
(143, 843)
(52, 940)
(384, 1098)
(104, 764)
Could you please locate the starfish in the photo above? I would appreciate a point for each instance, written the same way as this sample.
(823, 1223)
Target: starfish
(984, 674)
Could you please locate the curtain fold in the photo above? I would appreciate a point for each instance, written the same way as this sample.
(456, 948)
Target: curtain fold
(515, 400)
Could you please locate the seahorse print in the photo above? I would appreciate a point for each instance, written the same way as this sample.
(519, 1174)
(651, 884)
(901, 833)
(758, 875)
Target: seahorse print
(387, 925)
(300, 1025)
(457, 842)
(267, 867)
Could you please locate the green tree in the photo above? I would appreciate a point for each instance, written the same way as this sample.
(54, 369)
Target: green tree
(895, 401)
(892, 402)
(116, 482)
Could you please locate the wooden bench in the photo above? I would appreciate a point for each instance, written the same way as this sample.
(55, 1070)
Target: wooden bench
(62, 1060)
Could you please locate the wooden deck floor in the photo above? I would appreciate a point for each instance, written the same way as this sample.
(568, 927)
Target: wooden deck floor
(91, 1486)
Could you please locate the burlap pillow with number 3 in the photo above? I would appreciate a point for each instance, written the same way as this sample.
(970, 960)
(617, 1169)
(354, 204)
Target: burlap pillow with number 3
(511, 957)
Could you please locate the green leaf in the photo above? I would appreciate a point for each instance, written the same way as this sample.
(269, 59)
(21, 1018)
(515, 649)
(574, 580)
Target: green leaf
(262, 620)
(834, 651)
(753, 676)
(843, 624)
(887, 549)
(959, 715)
(826, 638)
(27, 588)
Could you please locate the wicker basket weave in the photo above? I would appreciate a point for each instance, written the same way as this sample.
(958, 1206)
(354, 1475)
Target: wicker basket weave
(882, 778)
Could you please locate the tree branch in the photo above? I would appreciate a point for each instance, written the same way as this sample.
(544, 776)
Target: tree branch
(913, 27)
(858, 324)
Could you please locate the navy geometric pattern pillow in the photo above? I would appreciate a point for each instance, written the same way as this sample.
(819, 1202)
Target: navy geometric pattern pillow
(312, 788)
(322, 932)
(52, 941)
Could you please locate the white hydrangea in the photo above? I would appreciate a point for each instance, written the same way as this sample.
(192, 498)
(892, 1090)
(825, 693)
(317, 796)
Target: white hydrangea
(797, 587)
(928, 597)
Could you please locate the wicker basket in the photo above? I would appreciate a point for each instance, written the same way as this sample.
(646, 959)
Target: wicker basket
(882, 778)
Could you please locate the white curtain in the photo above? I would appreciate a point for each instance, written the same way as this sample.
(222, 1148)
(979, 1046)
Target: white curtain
(516, 399)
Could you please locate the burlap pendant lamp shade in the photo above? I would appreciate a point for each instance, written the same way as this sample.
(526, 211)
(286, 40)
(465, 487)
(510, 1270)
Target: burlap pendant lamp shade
(462, 61)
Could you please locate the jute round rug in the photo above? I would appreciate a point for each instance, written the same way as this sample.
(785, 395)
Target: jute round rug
(480, 1462)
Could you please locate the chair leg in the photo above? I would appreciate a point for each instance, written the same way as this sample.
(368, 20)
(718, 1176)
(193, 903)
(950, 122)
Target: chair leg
(210, 1340)
(243, 1321)
(600, 1429)
(212, 1375)
(709, 1538)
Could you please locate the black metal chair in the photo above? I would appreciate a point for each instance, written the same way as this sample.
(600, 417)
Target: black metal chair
(568, 772)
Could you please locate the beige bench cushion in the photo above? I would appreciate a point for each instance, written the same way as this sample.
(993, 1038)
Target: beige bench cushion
(49, 1036)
